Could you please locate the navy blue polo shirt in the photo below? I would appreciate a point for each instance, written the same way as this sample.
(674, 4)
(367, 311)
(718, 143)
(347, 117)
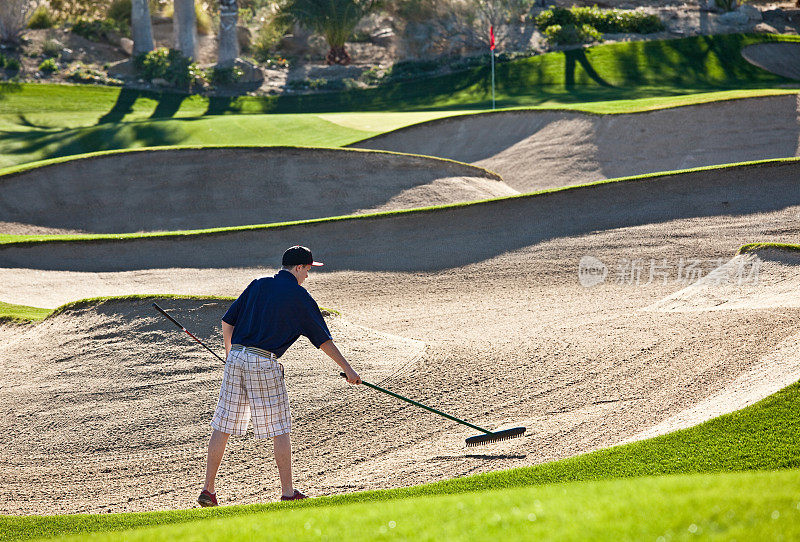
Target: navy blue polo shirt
(273, 312)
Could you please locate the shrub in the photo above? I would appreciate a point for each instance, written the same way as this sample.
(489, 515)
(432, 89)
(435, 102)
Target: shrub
(412, 69)
(41, 18)
(51, 49)
(611, 20)
(570, 34)
(267, 38)
(224, 76)
(98, 29)
(119, 11)
(170, 65)
(86, 75)
(48, 66)
(10, 64)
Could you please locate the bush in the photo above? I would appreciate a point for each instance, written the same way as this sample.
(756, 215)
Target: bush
(224, 76)
(10, 64)
(41, 18)
(48, 66)
(610, 20)
(267, 39)
(170, 65)
(51, 49)
(98, 29)
(412, 69)
(86, 75)
(120, 12)
(570, 34)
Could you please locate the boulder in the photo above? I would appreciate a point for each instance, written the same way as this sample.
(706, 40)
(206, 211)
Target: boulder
(245, 38)
(159, 82)
(734, 18)
(753, 13)
(764, 28)
(382, 36)
(251, 73)
(126, 44)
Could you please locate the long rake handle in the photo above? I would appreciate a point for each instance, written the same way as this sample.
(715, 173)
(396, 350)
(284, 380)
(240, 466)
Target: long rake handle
(407, 400)
(174, 321)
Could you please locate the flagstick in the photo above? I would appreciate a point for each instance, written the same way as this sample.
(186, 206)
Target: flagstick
(492, 51)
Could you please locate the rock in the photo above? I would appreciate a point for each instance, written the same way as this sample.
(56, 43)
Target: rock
(382, 36)
(752, 12)
(113, 38)
(711, 5)
(68, 55)
(764, 28)
(734, 18)
(245, 38)
(126, 44)
(252, 73)
(159, 82)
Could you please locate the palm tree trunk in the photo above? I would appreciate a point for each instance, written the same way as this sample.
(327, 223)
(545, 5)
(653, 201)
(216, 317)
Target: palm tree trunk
(185, 28)
(141, 27)
(228, 40)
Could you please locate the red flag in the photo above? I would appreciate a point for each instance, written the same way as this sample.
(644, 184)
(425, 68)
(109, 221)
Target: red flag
(491, 38)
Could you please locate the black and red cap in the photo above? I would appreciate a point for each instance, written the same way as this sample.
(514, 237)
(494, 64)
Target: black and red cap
(298, 255)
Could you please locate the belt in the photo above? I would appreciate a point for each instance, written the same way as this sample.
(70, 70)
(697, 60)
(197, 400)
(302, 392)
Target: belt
(253, 350)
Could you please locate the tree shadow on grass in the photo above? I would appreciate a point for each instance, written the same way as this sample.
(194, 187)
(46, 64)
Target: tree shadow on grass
(53, 144)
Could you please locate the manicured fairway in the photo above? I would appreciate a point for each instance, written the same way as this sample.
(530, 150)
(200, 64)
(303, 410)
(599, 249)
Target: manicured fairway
(741, 506)
(21, 313)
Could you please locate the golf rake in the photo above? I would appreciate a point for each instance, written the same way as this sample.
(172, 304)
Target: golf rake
(489, 437)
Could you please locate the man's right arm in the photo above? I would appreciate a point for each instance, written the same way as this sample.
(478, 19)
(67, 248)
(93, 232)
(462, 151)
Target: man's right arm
(333, 352)
(227, 336)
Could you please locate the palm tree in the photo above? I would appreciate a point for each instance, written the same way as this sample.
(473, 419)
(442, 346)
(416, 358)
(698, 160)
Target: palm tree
(334, 19)
(228, 40)
(141, 27)
(185, 30)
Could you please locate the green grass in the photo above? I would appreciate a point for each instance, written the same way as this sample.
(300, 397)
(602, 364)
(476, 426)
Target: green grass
(754, 247)
(7, 239)
(45, 121)
(21, 314)
(762, 436)
(743, 506)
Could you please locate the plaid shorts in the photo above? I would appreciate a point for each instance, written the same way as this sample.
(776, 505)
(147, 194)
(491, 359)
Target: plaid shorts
(252, 385)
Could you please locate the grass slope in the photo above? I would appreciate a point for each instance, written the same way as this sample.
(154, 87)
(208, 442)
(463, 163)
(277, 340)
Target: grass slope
(45, 121)
(754, 247)
(762, 436)
(8, 239)
(764, 505)
(21, 313)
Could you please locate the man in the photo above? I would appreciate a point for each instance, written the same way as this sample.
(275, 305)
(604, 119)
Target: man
(258, 328)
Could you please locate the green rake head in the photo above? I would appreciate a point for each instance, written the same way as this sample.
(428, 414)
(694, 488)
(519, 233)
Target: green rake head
(496, 436)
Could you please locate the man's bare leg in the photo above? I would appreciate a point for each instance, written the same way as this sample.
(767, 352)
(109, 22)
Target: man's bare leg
(216, 449)
(283, 457)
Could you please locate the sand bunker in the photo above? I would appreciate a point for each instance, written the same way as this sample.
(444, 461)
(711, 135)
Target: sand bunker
(544, 149)
(137, 402)
(765, 279)
(162, 190)
(427, 241)
(779, 58)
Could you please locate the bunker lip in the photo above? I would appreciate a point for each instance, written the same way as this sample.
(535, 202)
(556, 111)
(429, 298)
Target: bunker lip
(536, 149)
(198, 188)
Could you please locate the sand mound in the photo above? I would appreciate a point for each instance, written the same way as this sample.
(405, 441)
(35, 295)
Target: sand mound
(544, 149)
(762, 280)
(779, 58)
(104, 398)
(426, 241)
(160, 190)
